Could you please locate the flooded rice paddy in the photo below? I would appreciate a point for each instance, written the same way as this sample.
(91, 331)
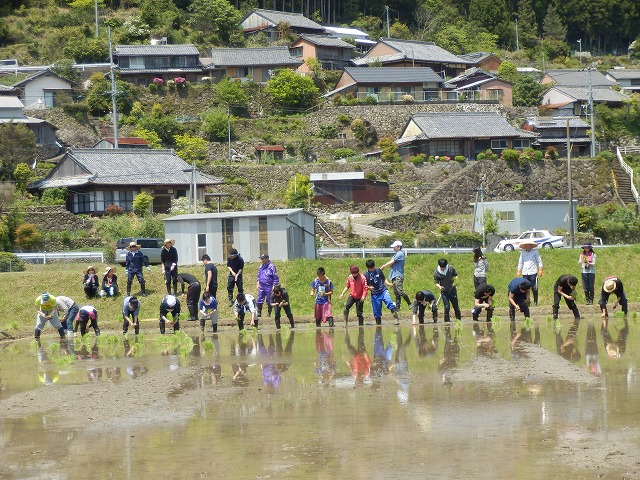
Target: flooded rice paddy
(468, 400)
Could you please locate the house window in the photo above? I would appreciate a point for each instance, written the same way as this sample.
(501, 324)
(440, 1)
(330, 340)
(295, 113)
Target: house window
(499, 144)
(635, 82)
(48, 99)
(263, 234)
(227, 234)
(136, 63)
(161, 203)
(84, 202)
(520, 143)
(508, 216)
(244, 72)
(124, 199)
(296, 52)
(202, 245)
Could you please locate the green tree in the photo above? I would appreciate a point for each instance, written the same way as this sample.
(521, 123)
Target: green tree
(17, 144)
(527, 24)
(527, 92)
(371, 25)
(298, 192)
(191, 149)
(491, 219)
(400, 30)
(28, 237)
(216, 125)
(552, 26)
(493, 16)
(217, 20)
(150, 136)
(54, 196)
(164, 126)
(64, 68)
(99, 97)
(160, 15)
(508, 71)
(292, 92)
(389, 150)
(142, 204)
(232, 94)
(21, 175)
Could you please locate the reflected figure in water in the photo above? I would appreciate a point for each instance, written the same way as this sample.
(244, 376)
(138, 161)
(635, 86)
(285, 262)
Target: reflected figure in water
(401, 367)
(426, 348)
(591, 356)
(242, 347)
(273, 369)
(568, 347)
(615, 349)
(325, 364)
(565, 287)
(611, 285)
(451, 351)
(485, 340)
(360, 364)
(47, 374)
(524, 335)
(381, 355)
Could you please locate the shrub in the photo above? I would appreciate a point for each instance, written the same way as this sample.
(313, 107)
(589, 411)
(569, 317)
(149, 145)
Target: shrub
(54, 196)
(370, 176)
(363, 131)
(344, 119)
(389, 150)
(418, 160)
(343, 153)
(460, 158)
(551, 153)
(370, 100)
(550, 195)
(216, 125)
(489, 155)
(518, 188)
(28, 237)
(510, 156)
(142, 204)
(153, 87)
(406, 98)
(113, 210)
(11, 263)
(328, 131)
(481, 156)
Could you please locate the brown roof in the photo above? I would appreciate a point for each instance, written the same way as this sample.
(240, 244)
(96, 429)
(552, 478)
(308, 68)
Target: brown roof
(270, 148)
(128, 140)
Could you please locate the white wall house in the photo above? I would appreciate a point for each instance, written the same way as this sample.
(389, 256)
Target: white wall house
(284, 234)
(517, 216)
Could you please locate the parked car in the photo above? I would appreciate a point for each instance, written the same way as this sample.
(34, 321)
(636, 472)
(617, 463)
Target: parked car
(543, 238)
(150, 247)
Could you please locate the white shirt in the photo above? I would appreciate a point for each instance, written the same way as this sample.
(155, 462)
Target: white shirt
(529, 262)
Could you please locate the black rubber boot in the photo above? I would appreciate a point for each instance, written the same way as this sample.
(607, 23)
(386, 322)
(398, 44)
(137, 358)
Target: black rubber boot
(144, 291)
(36, 334)
(407, 299)
(576, 313)
(555, 312)
(168, 289)
(269, 310)
(61, 332)
(215, 328)
(447, 318)
(330, 320)
(255, 323)
(202, 321)
(346, 319)
(260, 310)
(162, 327)
(395, 316)
(128, 289)
(535, 298)
(97, 331)
(318, 323)
(435, 317)
(378, 320)
(291, 322)
(278, 323)
(360, 321)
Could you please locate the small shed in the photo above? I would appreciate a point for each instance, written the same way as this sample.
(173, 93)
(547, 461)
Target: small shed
(346, 187)
(273, 152)
(285, 234)
(516, 216)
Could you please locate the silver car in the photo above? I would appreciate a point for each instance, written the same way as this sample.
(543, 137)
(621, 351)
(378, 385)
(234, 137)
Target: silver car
(150, 248)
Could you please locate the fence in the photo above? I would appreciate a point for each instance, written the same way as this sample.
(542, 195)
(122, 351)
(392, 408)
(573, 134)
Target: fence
(44, 257)
(620, 151)
(381, 252)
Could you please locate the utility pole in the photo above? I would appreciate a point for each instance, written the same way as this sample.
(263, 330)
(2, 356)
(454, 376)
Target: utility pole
(580, 43)
(229, 134)
(517, 42)
(114, 93)
(591, 123)
(571, 230)
(386, 9)
(96, 18)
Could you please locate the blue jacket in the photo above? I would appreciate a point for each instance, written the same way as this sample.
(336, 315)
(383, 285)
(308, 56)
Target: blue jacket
(135, 261)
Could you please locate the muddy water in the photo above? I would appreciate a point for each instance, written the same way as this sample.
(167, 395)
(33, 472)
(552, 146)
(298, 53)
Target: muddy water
(463, 401)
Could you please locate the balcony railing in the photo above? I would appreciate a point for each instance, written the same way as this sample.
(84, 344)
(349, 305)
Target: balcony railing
(423, 96)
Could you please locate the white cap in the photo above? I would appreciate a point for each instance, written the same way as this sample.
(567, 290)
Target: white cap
(171, 301)
(397, 243)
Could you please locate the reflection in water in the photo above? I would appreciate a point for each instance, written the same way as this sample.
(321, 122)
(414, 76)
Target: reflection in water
(426, 347)
(450, 353)
(568, 347)
(274, 362)
(401, 367)
(615, 349)
(241, 348)
(381, 355)
(325, 363)
(485, 339)
(591, 357)
(525, 335)
(360, 364)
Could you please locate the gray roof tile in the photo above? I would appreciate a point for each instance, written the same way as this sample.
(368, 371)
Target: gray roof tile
(153, 50)
(600, 94)
(392, 74)
(579, 78)
(624, 74)
(232, 57)
(419, 51)
(543, 123)
(294, 19)
(466, 125)
(127, 167)
(325, 41)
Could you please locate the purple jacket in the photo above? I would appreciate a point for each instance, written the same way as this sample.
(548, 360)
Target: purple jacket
(267, 275)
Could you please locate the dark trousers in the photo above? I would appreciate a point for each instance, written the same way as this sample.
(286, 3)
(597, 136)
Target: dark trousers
(524, 308)
(588, 285)
(359, 309)
(423, 308)
(125, 325)
(570, 303)
(176, 323)
(193, 297)
(231, 283)
(533, 280)
(213, 290)
(83, 326)
(477, 311)
(450, 299)
(604, 298)
(241, 320)
(90, 291)
(130, 276)
(67, 322)
(171, 277)
(277, 310)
